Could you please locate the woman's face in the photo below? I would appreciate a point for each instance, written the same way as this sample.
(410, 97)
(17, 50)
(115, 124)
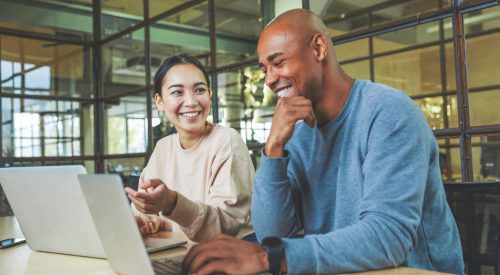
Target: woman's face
(185, 99)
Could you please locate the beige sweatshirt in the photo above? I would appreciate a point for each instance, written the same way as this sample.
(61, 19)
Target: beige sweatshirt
(213, 180)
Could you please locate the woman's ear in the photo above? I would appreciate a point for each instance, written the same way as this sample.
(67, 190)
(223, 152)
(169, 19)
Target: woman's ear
(320, 46)
(159, 102)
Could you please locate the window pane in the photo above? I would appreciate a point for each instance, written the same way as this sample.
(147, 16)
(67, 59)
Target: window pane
(449, 159)
(126, 125)
(159, 6)
(42, 128)
(414, 72)
(73, 20)
(482, 52)
(358, 70)
(409, 37)
(120, 15)
(238, 25)
(352, 50)
(486, 157)
(244, 103)
(124, 64)
(346, 16)
(40, 67)
(436, 110)
(484, 107)
(185, 32)
(124, 166)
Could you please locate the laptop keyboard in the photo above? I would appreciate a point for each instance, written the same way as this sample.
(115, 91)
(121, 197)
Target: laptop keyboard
(166, 266)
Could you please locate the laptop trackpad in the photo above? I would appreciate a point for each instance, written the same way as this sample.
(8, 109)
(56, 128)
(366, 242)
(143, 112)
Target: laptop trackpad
(157, 244)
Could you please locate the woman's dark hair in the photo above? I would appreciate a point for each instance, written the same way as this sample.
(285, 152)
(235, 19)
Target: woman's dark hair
(171, 62)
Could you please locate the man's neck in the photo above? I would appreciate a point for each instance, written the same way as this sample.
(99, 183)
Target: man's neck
(333, 98)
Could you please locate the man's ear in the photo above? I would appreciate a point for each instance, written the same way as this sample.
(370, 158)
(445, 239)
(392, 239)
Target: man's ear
(159, 102)
(320, 46)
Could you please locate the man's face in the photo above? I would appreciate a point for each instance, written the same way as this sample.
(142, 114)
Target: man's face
(286, 60)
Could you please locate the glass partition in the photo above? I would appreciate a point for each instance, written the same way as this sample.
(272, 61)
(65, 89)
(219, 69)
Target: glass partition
(65, 19)
(125, 125)
(486, 157)
(449, 159)
(123, 65)
(46, 128)
(38, 67)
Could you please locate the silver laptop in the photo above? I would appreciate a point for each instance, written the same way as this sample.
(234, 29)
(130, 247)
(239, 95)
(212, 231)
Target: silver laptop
(118, 229)
(51, 209)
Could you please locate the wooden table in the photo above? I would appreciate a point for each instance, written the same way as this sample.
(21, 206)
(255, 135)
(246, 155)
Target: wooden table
(21, 259)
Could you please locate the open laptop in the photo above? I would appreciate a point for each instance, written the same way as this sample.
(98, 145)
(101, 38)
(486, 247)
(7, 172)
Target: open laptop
(118, 229)
(51, 209)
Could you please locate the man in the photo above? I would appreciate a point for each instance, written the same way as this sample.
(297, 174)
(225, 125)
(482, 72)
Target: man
(360, 177)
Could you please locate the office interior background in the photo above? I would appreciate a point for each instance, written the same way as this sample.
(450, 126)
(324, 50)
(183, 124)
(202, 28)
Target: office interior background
(76, 77)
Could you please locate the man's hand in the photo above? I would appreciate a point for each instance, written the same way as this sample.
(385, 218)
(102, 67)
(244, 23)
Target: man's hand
(288, 111)
(156, 198)
(226, 254)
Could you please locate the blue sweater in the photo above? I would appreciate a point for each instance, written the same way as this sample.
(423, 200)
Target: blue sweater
(365, 188)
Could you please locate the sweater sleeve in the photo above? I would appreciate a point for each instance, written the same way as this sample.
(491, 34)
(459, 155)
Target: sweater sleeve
(395, 169)
(227, 208)
(275, 209)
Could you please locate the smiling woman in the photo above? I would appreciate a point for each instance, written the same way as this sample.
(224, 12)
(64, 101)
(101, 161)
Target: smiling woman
(198, 181)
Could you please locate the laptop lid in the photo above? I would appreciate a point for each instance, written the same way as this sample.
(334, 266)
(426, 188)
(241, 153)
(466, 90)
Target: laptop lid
(51, 209)
(116, 225)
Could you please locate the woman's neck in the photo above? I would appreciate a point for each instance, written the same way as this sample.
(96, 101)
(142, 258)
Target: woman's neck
(188, 140)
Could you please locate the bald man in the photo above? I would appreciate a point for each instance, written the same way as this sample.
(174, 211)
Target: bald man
(351, 164)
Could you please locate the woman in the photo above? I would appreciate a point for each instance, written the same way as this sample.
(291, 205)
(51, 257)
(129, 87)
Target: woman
(198, 181)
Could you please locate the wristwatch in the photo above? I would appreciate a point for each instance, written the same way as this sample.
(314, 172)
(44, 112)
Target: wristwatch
(274, 248)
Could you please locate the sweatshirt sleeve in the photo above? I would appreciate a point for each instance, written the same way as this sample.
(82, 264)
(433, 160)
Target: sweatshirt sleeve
(275, 209)
(227, 208)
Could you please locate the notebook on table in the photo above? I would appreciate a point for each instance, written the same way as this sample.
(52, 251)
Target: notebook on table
(51, 209)
(118, 229)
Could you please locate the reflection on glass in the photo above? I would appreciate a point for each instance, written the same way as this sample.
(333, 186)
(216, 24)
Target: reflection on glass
(40, 67)
(409, 37)
(42, 128)
(62, 18)
(238, 25)
(159, 6)
(434, 109)
(126, 125)
(185, 32)
(486, 157)
(346, 16)
(123, 65)
(245, 103)
(125, 166)
(483, 107)
(449, 159)
(414, 72)
(352, 50)
(358, 70)
(167, 41)
(120, 15)
(482, 52)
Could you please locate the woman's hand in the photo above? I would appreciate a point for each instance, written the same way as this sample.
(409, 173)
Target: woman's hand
(156, 197)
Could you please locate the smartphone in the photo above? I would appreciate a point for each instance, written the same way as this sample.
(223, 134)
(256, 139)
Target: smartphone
(11, 242)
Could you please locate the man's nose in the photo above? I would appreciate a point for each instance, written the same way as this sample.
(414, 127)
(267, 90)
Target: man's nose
(271, 79)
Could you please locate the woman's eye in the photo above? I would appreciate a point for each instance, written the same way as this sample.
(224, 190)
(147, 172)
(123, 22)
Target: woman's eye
(200, 90)
(176, 93)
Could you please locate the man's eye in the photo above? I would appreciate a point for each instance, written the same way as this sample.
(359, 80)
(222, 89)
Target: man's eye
(278, 63)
